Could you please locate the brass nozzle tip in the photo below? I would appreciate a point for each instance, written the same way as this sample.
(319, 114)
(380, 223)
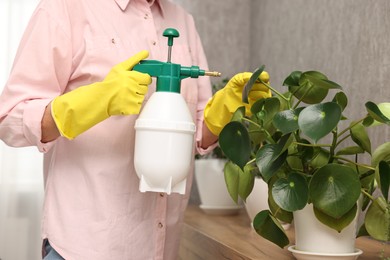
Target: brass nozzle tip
(213, 73)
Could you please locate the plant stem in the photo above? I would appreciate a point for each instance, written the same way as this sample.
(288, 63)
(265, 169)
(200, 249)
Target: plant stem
(358, 164)
(367, 194)
(366, 174)
(251, 122)
(381, 206)
(268, 135)
(312, 145)
(352, 125)
(342, 140)
(251, 161)
(304, 94)
(275, 91)
(333, 146)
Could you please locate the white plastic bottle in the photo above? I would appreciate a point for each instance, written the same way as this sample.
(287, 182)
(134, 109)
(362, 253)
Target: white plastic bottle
(164, 143)
(164, 131)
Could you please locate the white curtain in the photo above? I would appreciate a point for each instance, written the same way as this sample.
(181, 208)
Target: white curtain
(21, 181)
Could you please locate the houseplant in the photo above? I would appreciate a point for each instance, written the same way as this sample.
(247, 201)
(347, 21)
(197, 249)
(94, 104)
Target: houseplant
(280, 143)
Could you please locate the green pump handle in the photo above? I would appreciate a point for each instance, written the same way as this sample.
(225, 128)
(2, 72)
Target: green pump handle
(169, 75)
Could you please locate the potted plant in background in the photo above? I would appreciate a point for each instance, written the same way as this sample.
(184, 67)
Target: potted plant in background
(213, 194)
(283, 143)
(209, 177)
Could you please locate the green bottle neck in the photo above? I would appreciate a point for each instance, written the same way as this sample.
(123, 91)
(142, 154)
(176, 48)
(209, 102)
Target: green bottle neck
(169, 79)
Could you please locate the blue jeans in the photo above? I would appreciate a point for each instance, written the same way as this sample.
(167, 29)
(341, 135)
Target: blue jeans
(49, 252)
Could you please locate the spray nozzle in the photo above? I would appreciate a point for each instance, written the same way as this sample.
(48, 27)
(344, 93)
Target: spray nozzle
(169, 75)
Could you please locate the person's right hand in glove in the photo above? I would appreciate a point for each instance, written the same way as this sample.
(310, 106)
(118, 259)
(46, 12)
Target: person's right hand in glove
(220, 108)
(120, 93)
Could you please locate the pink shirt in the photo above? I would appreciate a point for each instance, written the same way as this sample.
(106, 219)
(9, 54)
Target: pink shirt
(93, 209)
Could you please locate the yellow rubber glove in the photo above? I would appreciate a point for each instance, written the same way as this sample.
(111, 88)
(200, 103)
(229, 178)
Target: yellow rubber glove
(220, 108)
(120, 93)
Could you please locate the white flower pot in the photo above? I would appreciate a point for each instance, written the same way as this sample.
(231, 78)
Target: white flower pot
(258, 199)
(213, 193)
(313, 236)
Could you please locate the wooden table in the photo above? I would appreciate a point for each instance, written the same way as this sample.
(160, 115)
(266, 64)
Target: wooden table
(215, 237)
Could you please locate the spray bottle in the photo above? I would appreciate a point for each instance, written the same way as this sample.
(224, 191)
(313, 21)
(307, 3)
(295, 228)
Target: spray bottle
(164, 131)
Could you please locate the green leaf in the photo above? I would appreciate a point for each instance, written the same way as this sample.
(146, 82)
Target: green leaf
(316, 121)
(309, 94)
(291, 194)
(294, 162)
(232, 174)
(341, 99)
(377, 220)
(256, 134)
(287, 121)
(265, 110)
(238, 114)
(246, 182)
(384, 178)
(271, 106)
(269, 227)
(337, 224)
(369, 121)
(360, 137)
(319, 80)
(248, 86)
(299, 154)
(284, 142)
(285, 103)
(278, 212)
(239, 183)
(293, 79)
(376, 113)
(334, 189)
(269, 160)
(321, 158)
(350, 150)
(385, 109)
(235, 143)
(306, 153)
(312, 87)
(258, 106)
(381, 153)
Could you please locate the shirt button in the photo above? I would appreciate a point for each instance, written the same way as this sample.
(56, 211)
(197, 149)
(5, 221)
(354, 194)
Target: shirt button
(162, 195)
(160, 225)
(154, 42)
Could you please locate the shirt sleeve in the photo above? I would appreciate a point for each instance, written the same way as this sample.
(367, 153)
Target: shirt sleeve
(40, 72)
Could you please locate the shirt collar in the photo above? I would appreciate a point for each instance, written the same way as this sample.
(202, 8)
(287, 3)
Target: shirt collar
(124, 3)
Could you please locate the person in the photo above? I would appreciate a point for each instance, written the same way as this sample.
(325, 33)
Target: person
(72, 94)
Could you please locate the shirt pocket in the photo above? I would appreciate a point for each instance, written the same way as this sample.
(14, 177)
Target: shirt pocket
(102, 53)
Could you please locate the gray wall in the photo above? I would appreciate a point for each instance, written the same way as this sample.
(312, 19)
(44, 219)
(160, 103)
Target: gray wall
(348, 40)
(224, 26)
